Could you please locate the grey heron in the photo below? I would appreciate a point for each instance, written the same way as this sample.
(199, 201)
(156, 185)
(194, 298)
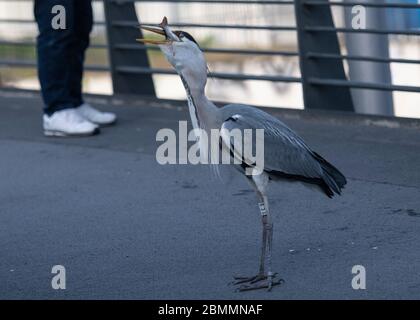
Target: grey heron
(286, 156)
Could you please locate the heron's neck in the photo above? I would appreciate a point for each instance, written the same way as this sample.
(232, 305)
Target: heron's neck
(202, 110)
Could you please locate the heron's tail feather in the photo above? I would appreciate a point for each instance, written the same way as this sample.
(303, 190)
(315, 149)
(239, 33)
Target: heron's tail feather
(333, 178)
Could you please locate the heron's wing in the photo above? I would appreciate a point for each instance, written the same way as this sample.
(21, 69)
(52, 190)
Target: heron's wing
(284, 150)
(285, 153)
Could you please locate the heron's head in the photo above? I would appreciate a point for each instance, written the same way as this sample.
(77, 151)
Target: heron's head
(182, 52)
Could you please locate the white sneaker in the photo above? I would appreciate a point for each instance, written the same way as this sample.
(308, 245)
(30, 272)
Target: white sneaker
(96, 116)
(68, 122)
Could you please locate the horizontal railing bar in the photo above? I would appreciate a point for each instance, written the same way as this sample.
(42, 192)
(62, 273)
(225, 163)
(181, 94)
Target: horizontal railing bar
(276, 2)
(272, 2)
(33, 21)
(219, 75)
(33, 44)
(17, 63)
(16, 21)
(312, 55)
(122, 23)
(32, 0)
(362, 85)
(33, 64)
(98, 68)
(20, 43)
(129, 46)
(365, 4)
(140, 70)
(348, 30)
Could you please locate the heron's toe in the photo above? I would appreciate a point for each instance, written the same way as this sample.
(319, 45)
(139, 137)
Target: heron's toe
(268, 284)
(260, 281)
(253, 279)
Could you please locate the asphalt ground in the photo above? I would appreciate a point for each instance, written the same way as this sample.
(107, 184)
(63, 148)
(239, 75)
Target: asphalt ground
(125, 227)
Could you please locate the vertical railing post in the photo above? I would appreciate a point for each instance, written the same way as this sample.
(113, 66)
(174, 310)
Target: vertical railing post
(374, 45)
(126, 83)
(320, 97)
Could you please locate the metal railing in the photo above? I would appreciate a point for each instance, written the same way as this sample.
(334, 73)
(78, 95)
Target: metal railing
(324, 82)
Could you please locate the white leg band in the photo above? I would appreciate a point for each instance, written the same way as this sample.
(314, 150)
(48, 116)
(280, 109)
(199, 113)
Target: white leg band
(262, 209)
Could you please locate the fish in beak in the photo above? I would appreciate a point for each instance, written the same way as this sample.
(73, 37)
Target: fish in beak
(162, 29)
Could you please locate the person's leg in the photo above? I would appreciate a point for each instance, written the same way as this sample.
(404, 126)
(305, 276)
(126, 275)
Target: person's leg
(83, 17)
(54, 54)
(56, 49)
(83, 27)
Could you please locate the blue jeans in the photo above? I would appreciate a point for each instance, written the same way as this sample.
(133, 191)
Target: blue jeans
(61, 52)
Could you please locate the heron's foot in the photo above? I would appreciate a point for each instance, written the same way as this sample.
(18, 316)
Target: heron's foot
(260, 281)
(254, 279)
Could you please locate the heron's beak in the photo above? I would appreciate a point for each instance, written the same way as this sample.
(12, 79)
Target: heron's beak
(162, 29)
(157, 30)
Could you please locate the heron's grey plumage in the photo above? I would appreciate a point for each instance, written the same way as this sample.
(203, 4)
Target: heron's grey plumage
(286, 155)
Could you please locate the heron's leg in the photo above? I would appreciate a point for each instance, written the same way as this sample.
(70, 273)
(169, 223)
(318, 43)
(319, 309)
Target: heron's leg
(261, 274)
(268, 227)
(264, 280)
(263, 209)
